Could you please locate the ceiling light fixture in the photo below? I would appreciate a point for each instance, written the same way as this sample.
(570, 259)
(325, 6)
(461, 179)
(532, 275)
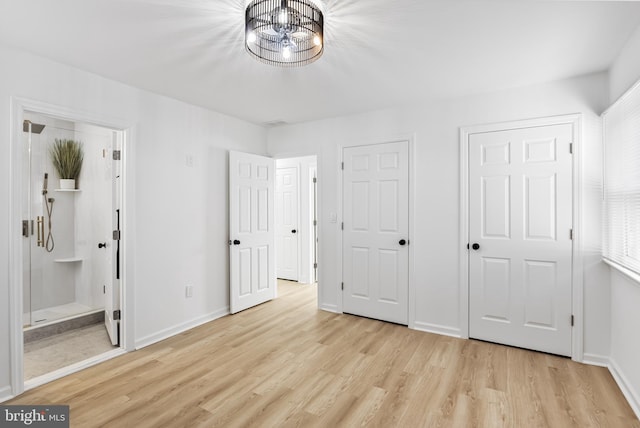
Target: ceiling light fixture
(286, 33)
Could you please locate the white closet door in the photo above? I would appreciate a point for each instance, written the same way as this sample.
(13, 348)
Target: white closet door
(520, 223)
(376, 229)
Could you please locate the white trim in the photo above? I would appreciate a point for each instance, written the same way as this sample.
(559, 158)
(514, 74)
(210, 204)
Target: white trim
(181, 328)
(16, 339)
(5, 394)
(329, 308)
(410, 139)
(412, 206)
(623, 270)
(73, 368)
(18, 107)
(596, 360)
(632, 396)
(339, 215)
(437, 329)
(577, 337)
(463, 235)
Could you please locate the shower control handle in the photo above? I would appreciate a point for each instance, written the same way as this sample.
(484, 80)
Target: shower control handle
(102, 245)
(40, 221)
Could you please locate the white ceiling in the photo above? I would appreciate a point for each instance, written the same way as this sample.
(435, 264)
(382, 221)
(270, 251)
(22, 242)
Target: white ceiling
(378, 53)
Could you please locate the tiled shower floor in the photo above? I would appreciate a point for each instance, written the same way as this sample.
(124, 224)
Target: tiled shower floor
(43, 356)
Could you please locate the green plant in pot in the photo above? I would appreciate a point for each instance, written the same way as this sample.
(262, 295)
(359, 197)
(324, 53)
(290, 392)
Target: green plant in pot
(67, 157)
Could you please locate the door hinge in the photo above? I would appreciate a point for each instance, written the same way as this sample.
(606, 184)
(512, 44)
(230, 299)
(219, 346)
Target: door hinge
(571, 234)
(116, 235)
(342, 226)
(116, 315)
(342, 165)
(342, 286)
(571, 148)
(315, 180)
(117, 154)
(315, 222)
(315, 265)
(572, 320)
(104, 289)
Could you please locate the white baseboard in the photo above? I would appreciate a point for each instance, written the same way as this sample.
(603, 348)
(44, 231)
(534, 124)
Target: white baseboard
(595, 360)
(329, 308)
(180, 328)
(5, 394)
(437, 329)
(627, 389)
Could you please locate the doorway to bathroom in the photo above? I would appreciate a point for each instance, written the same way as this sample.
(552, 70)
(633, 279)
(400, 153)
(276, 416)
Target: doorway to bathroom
(71, 193)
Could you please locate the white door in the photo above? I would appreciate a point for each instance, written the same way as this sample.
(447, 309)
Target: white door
(251, 230)
(113, 174)
(287, 223)
(376, 231)
(520, 212)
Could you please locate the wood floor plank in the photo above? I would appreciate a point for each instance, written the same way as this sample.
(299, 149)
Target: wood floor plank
(286, 364)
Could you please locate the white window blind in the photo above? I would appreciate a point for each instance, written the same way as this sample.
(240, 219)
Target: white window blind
(622, 181)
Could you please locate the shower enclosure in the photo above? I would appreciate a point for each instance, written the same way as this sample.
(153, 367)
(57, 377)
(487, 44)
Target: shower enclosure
(67, 233)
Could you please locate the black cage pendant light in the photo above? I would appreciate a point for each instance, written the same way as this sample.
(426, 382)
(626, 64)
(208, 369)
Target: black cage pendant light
(286, 33)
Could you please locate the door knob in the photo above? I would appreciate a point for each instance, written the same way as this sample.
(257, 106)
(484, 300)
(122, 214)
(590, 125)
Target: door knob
(102, 245)
(475, 246)
(402, 242)
(236, 242)
(294, 231)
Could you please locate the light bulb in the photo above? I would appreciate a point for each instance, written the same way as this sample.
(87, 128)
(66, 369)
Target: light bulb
(286, 52)
(251, 37)
(317, 41)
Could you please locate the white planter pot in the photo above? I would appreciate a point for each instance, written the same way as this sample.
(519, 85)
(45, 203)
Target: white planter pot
(67, 184)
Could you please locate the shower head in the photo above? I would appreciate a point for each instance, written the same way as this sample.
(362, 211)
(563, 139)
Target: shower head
(36, 128)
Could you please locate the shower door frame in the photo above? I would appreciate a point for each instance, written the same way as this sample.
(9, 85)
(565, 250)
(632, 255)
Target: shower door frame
(17, 244)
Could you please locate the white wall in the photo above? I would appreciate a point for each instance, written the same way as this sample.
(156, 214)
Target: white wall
(178, 212)
(435, 241)
(625, 292)
(625, 70)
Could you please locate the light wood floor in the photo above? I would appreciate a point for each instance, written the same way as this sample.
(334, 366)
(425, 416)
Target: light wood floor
(285, 363)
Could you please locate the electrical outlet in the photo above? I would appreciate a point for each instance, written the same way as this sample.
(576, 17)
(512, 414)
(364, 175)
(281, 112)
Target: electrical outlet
(188, 291)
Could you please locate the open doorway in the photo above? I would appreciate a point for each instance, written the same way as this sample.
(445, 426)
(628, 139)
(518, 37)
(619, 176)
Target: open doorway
(70, 288)
(296, 220)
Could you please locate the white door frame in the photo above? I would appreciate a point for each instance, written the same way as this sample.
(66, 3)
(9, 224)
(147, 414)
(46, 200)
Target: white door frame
(577, 287)
(16, 350)
(340, 219)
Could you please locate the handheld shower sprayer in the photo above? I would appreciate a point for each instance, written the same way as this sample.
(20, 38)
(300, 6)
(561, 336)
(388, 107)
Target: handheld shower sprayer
(44, 183)
(48, 203)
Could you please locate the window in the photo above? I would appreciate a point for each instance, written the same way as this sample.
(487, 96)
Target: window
(622, 181)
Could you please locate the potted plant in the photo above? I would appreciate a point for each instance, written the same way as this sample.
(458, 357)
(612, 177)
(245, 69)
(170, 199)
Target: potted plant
(67, 157)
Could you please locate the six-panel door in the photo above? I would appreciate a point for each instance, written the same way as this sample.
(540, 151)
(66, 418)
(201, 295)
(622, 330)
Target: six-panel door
(376, 229)
(251, 230)
(520, 215)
